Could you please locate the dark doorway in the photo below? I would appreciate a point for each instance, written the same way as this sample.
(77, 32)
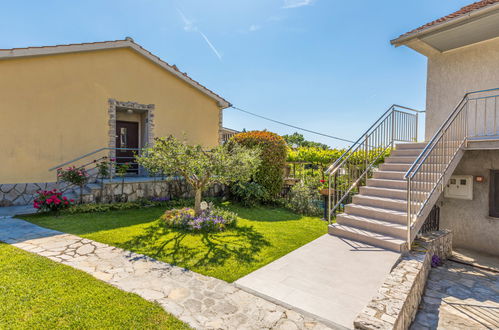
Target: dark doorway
(494, 194)
(127, 138)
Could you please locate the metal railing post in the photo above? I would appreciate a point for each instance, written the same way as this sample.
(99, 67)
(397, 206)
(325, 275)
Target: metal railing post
(417, 125)
(409, 190)
(393, 128)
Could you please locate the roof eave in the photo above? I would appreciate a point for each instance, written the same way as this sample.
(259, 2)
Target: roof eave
(404, 39)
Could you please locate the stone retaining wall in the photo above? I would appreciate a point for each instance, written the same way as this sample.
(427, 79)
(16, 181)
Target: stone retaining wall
(22, 193)
(396, 303)
(132, 191)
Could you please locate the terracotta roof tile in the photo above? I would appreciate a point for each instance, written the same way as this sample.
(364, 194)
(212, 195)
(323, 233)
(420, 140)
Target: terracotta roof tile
(461, 12)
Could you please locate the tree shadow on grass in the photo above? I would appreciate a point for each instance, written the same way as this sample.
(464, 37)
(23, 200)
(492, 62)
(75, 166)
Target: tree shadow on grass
(266, 214)
(187, 249)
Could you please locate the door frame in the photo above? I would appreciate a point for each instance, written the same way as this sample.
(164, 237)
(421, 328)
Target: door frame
(147, 109)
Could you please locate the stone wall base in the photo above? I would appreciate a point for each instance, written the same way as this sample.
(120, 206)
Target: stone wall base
(133, 191)
(22, 193)
(396, 303)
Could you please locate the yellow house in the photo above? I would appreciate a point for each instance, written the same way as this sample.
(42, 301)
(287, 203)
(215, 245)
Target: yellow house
(60, 103)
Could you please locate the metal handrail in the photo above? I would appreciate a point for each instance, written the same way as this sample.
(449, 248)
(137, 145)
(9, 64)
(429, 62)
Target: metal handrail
(90, 154)
(426, 174)
(392, 107)
(395, 124)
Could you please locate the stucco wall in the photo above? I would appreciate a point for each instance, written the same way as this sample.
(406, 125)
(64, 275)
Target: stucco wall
(453, 73)
(469, 219)
(55, 108)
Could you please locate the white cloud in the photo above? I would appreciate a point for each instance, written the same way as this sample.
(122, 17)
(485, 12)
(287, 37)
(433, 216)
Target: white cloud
(296, 3)
(254, 28)
(188, 24)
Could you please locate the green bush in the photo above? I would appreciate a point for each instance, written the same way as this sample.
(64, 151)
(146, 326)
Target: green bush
(304, 199)
(93, 208)
(273, 153)
(248, 193)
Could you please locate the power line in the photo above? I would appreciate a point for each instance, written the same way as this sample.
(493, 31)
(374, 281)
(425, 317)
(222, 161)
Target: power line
(289, 125)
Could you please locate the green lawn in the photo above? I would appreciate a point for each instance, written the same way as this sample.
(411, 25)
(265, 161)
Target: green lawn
(37, 293)
(261, 236)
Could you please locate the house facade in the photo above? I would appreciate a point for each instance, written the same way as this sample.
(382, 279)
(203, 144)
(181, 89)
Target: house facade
(463, 57)
(60, 103)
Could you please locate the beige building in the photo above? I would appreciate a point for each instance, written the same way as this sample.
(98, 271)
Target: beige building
(72, 104)
(463, 57)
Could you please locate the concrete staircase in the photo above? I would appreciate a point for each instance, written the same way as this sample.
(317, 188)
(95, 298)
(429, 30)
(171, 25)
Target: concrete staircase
(378, 214)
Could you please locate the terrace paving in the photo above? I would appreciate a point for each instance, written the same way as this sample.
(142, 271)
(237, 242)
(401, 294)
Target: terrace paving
(329, 278)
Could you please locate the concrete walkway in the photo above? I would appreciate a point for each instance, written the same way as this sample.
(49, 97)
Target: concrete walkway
(459, 296)
(201, 301)
(330, 278)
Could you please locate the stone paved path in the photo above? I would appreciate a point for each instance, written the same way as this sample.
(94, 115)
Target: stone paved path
(459, 296)
(201, 301)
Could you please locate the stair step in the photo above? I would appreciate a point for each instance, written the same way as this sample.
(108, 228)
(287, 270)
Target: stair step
(381, 202)
(401, 159)
(406, 152)
(384, 192)
(368, 237)
(393, 175)
(376, 213)
(412, 145)
(374, 225)
(94, 186)
(387, 183)
(395, 167)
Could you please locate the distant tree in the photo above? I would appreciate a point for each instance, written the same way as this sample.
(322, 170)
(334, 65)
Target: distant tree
(298, 140)
(201, 169)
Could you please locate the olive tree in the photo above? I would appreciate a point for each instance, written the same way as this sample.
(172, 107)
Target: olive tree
(201, 168)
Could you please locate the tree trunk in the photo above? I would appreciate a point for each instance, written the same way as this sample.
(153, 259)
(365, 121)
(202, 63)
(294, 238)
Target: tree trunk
(197, 201)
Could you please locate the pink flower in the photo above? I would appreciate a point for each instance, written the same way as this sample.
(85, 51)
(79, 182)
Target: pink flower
(65, 198)
(72, 200)
(66, 203)
(49, 201)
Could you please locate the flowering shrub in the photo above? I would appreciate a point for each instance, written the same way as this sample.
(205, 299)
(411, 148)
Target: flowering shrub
(74, 175)
(209, 220)
(51, 200)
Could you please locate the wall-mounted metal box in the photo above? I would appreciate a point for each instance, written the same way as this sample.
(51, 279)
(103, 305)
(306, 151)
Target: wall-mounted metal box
(459, 187)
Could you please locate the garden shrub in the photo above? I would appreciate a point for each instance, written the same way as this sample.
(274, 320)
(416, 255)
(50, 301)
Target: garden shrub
(94, 208)
(208, 221)
(248, 193)
(51, 201)
(273, 153)
(304, 199)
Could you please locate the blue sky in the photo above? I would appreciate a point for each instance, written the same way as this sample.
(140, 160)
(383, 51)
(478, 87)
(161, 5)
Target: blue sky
(326, 65)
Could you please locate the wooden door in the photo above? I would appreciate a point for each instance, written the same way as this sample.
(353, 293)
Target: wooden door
(127, 139)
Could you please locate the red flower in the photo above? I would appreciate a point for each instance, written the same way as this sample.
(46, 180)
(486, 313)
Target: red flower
(72, 200)
(66, 203)
(322, 181)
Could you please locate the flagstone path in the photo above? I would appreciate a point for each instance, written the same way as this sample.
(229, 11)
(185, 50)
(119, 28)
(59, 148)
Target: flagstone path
(201, 301)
